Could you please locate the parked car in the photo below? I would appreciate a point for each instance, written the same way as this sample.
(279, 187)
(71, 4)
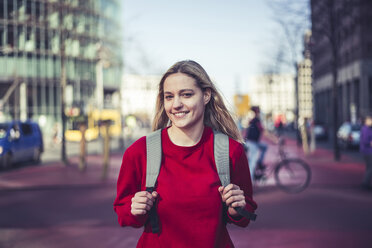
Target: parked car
(348, 135)
(20, 141)
(320, 131)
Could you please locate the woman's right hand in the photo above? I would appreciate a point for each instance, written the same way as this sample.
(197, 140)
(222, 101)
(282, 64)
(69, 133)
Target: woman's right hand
(142, 202)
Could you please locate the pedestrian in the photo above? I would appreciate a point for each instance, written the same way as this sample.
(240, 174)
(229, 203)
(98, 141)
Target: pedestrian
(192, 206)
(57, 134)
(279, 126)
(256, 149)
(366, 150)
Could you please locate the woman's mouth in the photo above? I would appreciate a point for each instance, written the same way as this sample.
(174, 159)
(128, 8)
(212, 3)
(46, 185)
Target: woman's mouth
(180, 114)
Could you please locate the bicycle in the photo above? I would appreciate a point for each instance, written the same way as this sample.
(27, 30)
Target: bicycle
(292, 175)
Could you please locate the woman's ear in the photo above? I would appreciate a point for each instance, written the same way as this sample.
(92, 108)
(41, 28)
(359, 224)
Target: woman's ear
(207, 95)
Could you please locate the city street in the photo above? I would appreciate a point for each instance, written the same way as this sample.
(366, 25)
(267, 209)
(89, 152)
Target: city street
(75, 73)
(52, 205)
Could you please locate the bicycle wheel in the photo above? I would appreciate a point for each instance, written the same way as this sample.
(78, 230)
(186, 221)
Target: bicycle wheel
(292, 175)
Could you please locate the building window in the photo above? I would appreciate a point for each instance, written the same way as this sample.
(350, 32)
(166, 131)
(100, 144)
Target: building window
(2, 35)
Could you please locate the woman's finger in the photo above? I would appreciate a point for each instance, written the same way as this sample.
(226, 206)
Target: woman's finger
(140, 206)
(232, 193)
(143, 194)
(136, 212)
(238, 204)
(143, 200)
(231, 187)
(234, 198)
(228, 188)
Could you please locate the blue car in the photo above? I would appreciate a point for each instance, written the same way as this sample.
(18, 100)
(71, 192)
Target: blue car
(20, 141)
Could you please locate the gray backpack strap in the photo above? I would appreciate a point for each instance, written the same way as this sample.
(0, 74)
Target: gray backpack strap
(221, 156)
(153, 162)
(153, 156)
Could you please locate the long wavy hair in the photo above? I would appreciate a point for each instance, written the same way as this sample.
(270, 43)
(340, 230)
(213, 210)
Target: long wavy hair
(216, 114)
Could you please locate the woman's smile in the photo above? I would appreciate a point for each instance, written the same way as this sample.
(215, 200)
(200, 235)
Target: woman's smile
(181, 114)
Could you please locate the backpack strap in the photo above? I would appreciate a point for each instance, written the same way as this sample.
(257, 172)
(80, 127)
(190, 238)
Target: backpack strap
(221, 157)
(153, 157)
(153, 162)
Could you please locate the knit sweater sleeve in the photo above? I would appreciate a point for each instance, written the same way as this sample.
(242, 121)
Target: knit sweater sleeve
(240, 175)
(130, 181)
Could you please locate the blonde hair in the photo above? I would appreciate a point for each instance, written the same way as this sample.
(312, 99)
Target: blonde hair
(216, 114)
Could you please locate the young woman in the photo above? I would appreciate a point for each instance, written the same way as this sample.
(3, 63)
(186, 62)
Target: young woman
(189, 197)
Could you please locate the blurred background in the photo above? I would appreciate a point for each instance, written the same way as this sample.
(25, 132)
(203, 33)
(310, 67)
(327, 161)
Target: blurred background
(64, 62)
(69, 67)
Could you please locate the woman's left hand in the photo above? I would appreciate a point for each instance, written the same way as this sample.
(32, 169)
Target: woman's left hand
(233, 196)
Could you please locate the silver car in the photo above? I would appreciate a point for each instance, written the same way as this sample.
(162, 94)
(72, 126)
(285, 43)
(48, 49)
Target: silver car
(348, 135)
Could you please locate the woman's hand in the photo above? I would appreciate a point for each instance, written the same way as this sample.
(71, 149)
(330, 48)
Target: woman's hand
(142, 202)
(233, 196)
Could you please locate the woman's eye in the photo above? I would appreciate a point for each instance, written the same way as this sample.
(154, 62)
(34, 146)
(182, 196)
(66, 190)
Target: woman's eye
(168, 97)
(187, 95)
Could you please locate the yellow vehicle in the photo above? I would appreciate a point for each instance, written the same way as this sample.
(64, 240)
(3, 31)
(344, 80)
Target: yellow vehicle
(115, 122)
(73, 128)
(93, 129)
(242, 104)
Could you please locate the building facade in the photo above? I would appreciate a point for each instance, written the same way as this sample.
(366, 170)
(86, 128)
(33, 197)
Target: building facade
(135, 89)
(50, 45)
(304, 80)
(275, 94)
(348, 23)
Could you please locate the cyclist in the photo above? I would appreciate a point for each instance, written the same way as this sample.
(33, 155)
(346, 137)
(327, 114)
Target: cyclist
(256, 149)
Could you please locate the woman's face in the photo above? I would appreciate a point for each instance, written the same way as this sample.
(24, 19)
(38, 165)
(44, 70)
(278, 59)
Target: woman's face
(368, 121)
(184, 101)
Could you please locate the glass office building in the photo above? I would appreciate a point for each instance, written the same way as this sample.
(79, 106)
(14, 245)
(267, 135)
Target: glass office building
(38, 38)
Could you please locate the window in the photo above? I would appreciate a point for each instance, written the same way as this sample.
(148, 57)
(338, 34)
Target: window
(26, 129)
(2, 35)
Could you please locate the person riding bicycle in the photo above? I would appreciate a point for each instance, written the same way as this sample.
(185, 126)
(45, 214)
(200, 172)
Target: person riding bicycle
(256, 149)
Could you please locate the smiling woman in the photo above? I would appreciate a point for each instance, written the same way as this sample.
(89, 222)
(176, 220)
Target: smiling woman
(184, 104)
(192, 206)
(216, 114)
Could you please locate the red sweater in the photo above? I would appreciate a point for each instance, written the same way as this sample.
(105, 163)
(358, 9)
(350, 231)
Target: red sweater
(189, 205)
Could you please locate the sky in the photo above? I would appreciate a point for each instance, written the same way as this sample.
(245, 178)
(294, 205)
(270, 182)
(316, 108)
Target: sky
(233, 40)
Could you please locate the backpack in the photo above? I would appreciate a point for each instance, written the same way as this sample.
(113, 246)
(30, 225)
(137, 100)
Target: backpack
(253, 132)
(153, 157)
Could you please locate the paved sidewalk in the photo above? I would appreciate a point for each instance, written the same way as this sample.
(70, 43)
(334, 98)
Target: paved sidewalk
(332, 212)
(57, 206)
(57, 175)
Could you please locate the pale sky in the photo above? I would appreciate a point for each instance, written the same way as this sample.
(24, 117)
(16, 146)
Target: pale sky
(232, 40)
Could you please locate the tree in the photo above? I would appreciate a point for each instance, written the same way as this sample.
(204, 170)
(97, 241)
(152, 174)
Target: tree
(293, 18)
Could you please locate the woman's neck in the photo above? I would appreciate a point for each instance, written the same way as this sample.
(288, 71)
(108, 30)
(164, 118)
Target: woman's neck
(185, 137)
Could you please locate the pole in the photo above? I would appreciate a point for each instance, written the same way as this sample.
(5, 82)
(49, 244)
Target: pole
(63, 85)
(336, 149)
(106, 149)
(82, 163)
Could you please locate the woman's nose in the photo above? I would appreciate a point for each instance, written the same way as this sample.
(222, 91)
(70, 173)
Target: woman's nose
(177, 103)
